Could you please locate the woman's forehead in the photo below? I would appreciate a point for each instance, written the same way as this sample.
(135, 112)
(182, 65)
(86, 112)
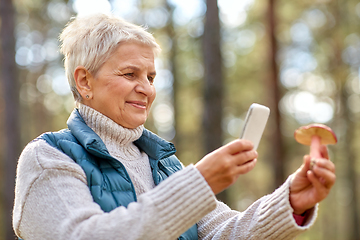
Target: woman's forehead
(132, 56)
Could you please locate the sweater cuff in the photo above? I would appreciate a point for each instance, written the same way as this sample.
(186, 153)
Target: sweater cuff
(182, 200)
(276, 215)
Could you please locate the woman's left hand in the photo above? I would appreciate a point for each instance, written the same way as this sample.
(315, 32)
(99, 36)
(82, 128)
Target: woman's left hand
(309, 187)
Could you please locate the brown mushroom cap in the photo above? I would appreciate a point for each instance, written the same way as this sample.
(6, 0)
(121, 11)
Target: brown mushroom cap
(304, 134)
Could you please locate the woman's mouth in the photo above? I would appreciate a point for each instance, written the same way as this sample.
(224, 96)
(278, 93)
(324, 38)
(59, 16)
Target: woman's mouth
(138, 104)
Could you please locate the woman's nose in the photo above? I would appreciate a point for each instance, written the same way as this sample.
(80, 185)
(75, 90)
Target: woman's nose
(145, 87)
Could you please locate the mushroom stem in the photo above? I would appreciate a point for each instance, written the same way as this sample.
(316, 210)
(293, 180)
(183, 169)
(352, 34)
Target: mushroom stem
(315, 147)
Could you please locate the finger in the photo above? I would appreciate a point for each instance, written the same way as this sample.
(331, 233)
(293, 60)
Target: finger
(326, 177)
(315, 181)
(324, 151)
(325, 164)
(244, 157)
(320, 191)
(238, 146)
(306, 165)
(246, 167)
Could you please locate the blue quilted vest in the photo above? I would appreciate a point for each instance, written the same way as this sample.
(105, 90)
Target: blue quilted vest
(107, 178)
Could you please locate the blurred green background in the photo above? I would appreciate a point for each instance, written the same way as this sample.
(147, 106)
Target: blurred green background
(301, 58)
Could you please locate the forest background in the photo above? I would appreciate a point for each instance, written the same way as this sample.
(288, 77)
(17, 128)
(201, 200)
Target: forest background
(302, 59)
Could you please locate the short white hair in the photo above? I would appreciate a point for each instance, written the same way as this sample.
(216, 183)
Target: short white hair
(90, 41)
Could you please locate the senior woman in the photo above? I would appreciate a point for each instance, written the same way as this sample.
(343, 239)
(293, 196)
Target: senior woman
(107, 177)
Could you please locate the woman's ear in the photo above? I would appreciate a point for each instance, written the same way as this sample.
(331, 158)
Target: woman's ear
(83, 82)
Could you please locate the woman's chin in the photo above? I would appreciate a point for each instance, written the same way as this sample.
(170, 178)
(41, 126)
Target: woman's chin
(134, 123)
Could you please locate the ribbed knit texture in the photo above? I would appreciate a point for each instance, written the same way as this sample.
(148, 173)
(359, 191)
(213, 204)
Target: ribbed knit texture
(53, 201)
(119, 142)
(270, 217)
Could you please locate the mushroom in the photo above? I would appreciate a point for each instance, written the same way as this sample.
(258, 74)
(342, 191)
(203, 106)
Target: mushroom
(315, 135)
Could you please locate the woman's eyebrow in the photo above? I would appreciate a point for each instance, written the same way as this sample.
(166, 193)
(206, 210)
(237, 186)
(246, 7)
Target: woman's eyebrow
(135, 68)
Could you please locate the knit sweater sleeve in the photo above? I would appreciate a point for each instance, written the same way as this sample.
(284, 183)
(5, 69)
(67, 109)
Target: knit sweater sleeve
(270, 217)
(53, 201)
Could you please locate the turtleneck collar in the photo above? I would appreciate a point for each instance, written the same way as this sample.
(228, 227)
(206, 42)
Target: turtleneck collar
(115, 137)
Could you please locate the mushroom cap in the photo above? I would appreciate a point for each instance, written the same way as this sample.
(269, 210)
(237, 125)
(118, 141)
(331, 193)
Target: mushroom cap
(304, 134)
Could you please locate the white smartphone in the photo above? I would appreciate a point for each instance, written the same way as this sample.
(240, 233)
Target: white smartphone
(255, 122)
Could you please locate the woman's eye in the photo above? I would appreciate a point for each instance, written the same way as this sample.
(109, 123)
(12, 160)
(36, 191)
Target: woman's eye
(151, 79)
(128, 75)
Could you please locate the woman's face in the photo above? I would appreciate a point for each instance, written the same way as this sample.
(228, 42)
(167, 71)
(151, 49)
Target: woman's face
(123, 88)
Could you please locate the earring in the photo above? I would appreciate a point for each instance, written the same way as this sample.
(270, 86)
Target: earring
(87, 96)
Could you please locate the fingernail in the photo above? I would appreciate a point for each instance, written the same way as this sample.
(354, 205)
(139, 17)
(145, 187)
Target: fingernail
(312, 163)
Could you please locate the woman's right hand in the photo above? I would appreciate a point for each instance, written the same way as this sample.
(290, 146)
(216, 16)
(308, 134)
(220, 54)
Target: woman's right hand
(222, 167)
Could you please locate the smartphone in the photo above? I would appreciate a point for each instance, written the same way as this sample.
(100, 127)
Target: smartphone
(255, 122)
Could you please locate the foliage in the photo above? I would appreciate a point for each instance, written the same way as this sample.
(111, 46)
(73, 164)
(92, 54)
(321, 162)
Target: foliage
(319, 78)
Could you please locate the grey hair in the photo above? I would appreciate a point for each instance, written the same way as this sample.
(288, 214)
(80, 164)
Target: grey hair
(90, 41)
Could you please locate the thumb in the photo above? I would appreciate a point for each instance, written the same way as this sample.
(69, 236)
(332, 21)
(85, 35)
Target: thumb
(306, 165)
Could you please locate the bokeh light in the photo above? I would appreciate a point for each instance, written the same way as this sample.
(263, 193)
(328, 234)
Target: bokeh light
(233, 13)
(186, 10)
(86, 7)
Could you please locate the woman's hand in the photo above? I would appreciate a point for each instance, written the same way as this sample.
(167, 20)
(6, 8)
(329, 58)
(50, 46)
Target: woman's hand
(309, 187)
(222, 167)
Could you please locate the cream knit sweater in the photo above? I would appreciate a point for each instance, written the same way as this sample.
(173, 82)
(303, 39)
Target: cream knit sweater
(52, 199)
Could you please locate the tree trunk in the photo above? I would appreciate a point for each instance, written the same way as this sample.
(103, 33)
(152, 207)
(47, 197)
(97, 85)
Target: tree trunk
(275, 97)
(11, 115)
(351, 169)
(172, 57)
(340, 72)
(213, 82)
